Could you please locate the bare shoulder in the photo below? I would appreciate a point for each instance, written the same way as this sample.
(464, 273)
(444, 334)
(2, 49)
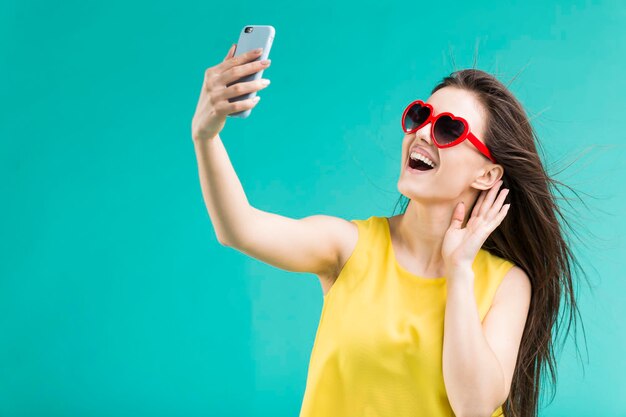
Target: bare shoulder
(515, 283)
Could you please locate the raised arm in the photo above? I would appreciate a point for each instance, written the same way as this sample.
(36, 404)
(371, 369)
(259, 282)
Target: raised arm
(311, 244)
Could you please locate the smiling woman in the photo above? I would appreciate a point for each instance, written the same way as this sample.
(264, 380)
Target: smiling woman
(530, 236)
(446, 309)
(449, 307)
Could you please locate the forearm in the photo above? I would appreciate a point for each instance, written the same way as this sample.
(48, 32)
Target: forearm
(472, 374)
(223, 194)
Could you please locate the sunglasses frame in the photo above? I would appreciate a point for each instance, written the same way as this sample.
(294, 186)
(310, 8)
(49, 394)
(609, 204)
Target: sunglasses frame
(433, 119)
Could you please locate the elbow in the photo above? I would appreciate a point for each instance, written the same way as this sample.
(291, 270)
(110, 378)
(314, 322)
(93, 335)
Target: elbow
(473, 413)
(223, 241)
(478, 405)
(476, 409)
(476, 412)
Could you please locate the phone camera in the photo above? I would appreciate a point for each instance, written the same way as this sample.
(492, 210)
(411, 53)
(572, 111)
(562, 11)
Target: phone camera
(248, 29)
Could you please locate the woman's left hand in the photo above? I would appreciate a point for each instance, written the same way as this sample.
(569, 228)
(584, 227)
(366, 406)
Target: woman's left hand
(461, 245)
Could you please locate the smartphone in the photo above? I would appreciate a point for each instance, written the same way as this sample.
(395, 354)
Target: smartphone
(252, 37)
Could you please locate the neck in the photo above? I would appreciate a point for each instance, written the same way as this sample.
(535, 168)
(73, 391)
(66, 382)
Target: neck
(420, 231)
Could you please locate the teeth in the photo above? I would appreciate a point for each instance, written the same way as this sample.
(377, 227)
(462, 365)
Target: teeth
(417, 155)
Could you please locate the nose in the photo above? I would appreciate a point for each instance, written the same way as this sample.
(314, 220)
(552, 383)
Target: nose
(423, 134)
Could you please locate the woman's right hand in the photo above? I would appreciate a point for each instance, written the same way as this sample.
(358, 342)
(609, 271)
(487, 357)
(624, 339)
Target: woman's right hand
(213, 105)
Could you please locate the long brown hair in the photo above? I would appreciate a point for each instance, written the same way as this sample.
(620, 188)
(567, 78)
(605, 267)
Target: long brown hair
(530, 236)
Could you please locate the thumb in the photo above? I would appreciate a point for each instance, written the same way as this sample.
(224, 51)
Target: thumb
(231, 51)
(457, 216)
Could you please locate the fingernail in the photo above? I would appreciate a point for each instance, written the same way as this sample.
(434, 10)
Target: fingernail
(265, 81)
(266, 62)
(258, 50)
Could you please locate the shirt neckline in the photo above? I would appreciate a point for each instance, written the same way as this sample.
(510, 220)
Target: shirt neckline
(400, 267)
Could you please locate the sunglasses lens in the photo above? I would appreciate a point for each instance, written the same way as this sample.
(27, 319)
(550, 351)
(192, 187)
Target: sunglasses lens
(448, 130)
(416, 116)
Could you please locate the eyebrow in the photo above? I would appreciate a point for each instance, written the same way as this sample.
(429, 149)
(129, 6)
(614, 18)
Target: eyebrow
(435, 113)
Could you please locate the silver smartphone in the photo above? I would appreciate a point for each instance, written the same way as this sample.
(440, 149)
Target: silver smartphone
(252, 37)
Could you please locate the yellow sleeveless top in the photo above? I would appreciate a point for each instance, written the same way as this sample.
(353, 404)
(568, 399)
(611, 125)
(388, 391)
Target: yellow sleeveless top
(379, 343)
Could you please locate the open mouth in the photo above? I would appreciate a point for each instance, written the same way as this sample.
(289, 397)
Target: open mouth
(419, 165)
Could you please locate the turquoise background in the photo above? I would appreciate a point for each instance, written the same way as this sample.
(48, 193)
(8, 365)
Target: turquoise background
(116, 298)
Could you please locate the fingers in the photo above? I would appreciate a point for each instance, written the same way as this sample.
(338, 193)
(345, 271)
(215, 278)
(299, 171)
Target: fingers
(498, 203)
(231, 52)
(478, 204)
(233, 74)
(225, 107)
(502, 214)
(457, 216)
(488, 201)
(497, 211)
(221, 82)
(239, 89)
(233, 61)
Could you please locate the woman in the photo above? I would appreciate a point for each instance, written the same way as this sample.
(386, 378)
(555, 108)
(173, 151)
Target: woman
(445, 309)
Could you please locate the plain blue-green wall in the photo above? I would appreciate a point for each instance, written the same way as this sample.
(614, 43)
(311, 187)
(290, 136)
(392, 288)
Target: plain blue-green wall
(116, 298)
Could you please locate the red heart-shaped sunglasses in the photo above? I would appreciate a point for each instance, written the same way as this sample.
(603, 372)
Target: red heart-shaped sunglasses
(447, 130)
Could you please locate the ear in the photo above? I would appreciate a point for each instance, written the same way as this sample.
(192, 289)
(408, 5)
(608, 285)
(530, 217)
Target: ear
(488, 176)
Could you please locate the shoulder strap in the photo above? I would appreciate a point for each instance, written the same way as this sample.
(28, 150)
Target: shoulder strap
(364, 256)
(371, 240)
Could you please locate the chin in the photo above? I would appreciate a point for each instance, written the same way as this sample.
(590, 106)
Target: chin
(423, 192)
(415, 192)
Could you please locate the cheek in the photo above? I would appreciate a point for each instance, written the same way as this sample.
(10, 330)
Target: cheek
(405, 149)
(453, 179)
(405, 143)
(457, 169)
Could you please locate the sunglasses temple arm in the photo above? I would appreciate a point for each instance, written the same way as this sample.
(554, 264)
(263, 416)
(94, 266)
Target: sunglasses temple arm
(481, 146)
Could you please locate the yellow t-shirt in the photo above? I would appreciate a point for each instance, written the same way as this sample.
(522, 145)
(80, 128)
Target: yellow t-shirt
(379, 343)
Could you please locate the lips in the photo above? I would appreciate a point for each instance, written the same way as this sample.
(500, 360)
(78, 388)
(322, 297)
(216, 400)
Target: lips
(414, 171)
(423, 151)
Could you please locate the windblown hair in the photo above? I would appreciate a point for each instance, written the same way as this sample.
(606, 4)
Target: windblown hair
(530, 235)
